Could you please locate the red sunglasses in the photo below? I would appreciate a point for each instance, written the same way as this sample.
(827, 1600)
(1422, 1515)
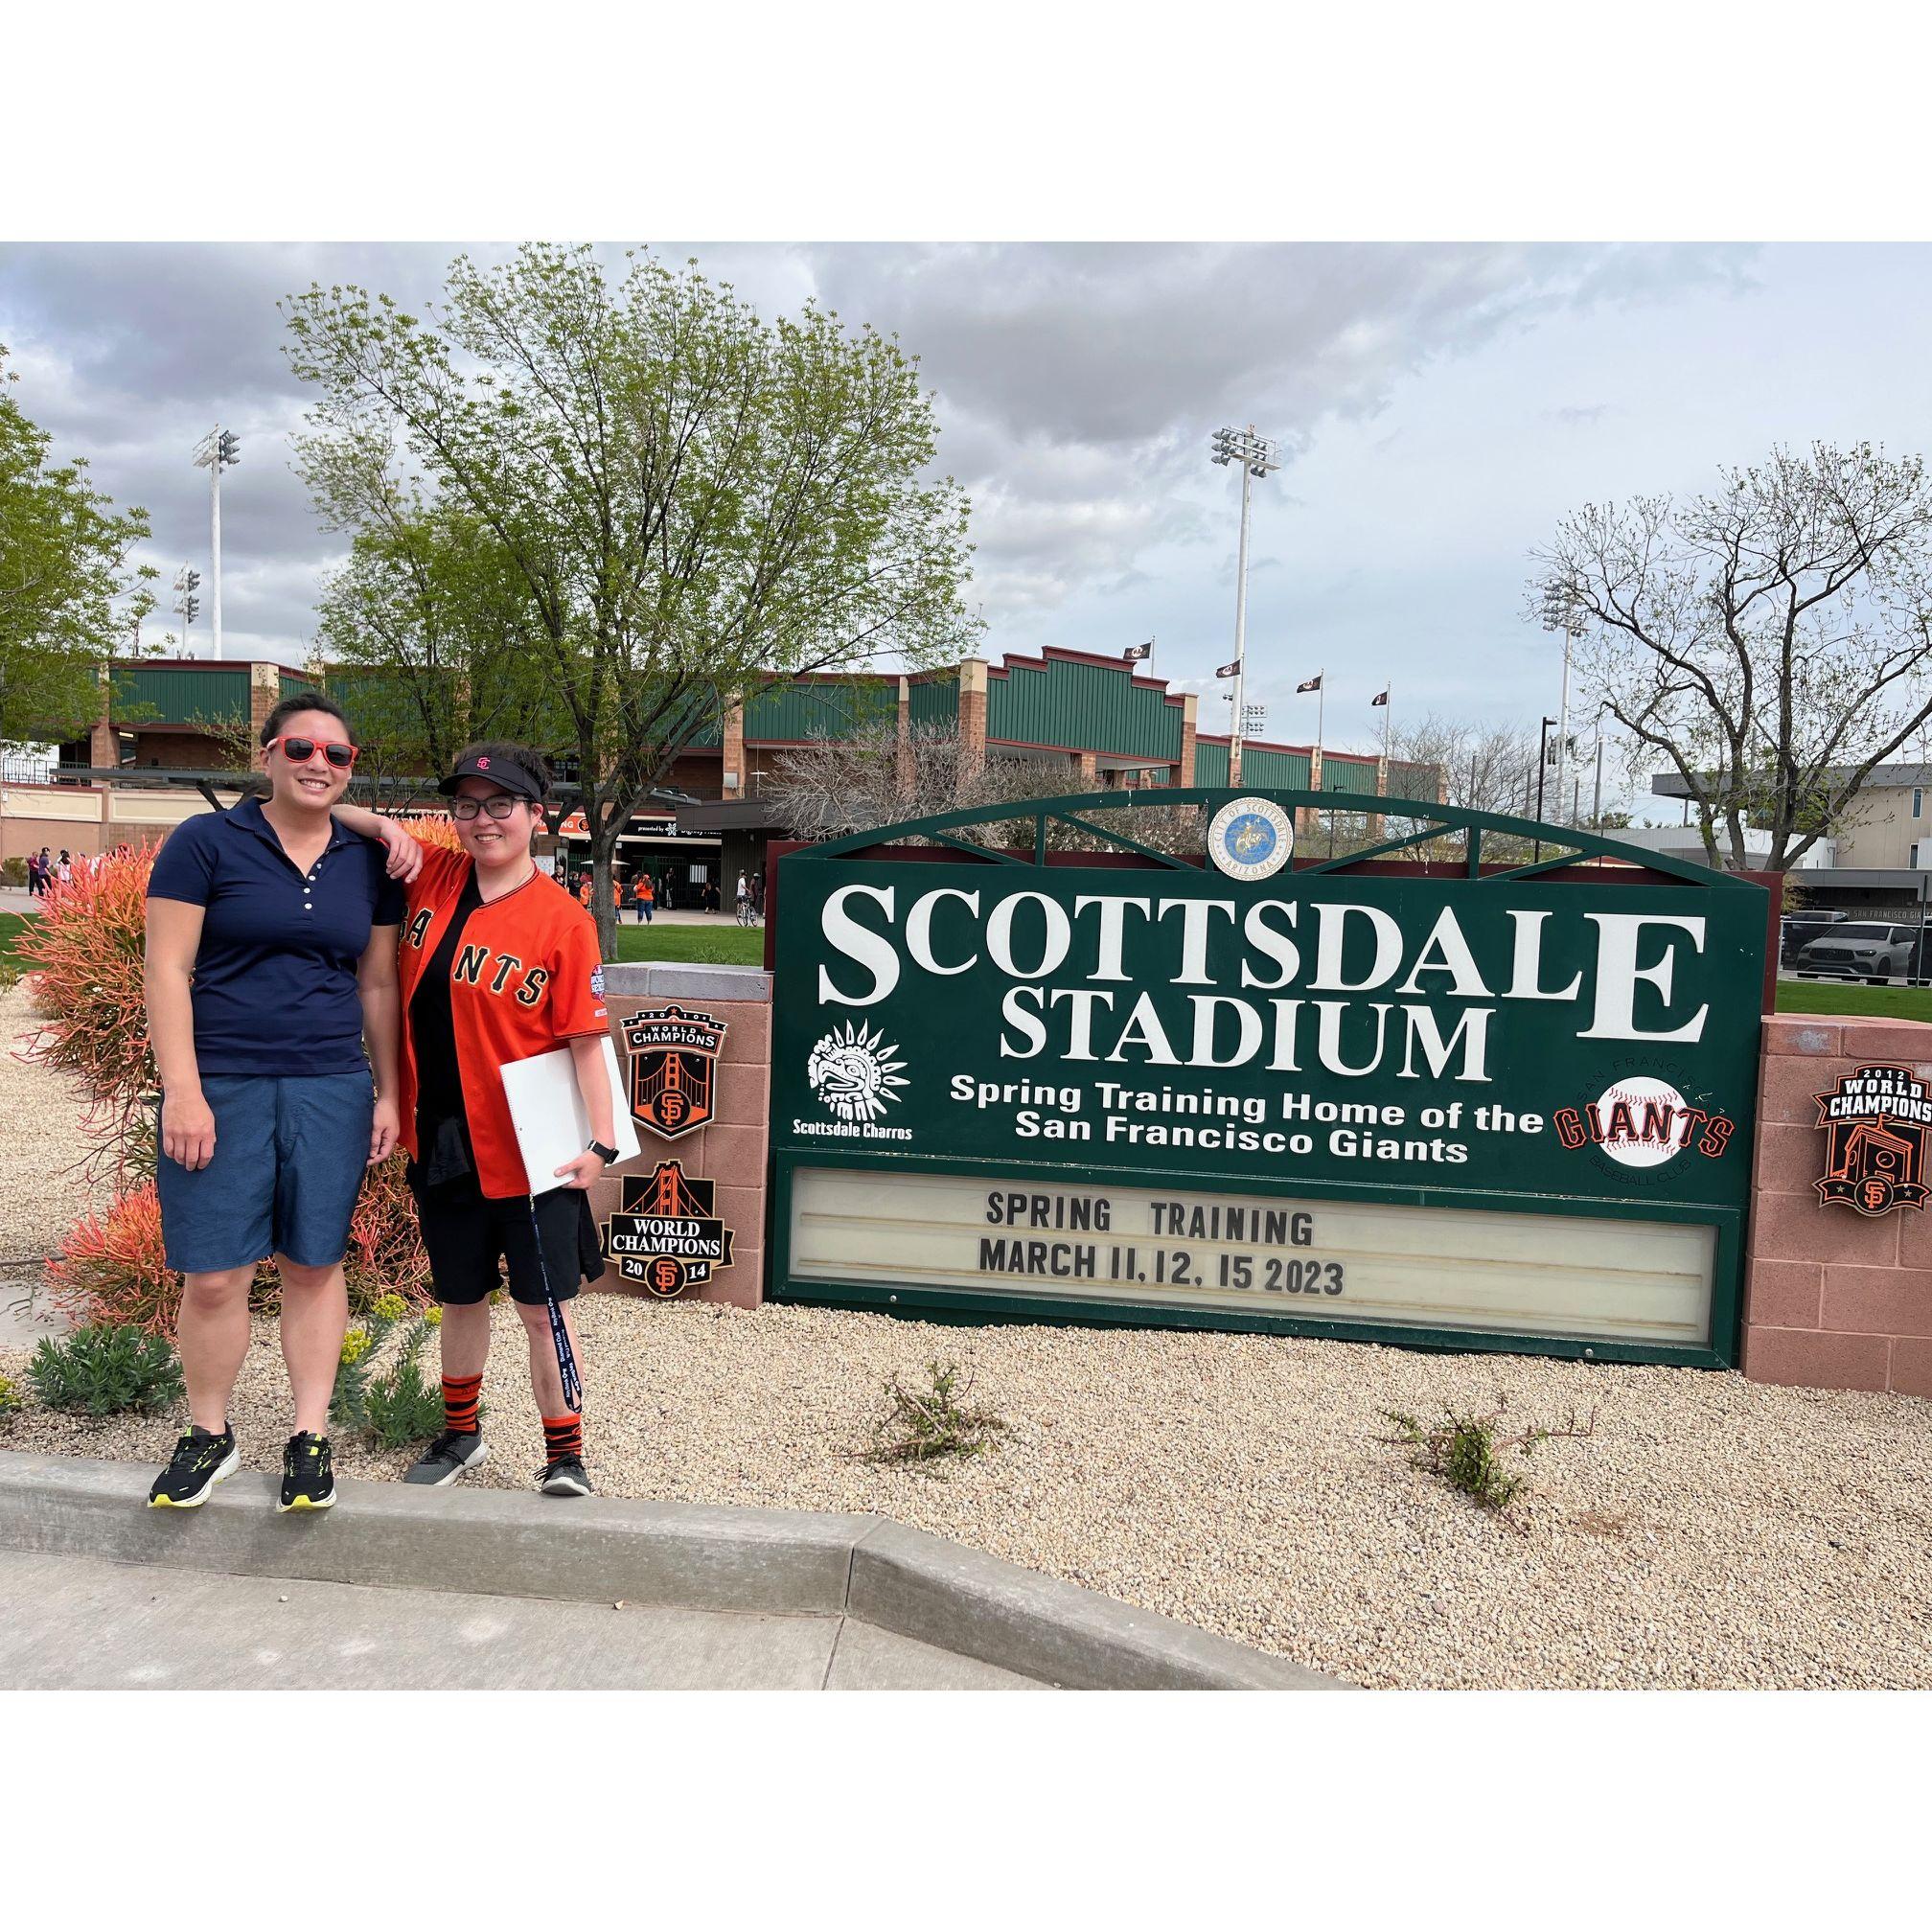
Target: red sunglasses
(303, 751)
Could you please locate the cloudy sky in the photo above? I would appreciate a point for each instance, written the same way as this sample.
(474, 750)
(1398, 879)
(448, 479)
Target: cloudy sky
(1439, 407)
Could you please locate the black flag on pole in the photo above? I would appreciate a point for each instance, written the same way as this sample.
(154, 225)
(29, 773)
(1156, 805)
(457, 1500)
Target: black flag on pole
(1233, 670)
(1380, 698)
(1314, 683)
(1136, 652)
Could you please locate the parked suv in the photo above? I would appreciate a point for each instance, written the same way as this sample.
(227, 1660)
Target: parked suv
(1798, 929)
(1860, 950)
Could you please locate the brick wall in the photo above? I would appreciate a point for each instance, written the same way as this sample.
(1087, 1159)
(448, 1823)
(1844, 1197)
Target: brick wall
(1833, 1299)
(731, 1150)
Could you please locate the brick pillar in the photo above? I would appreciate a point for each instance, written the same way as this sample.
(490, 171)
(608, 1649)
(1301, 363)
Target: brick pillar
(1087, 766)
(732, 768)
(1375, 823)
(1307, 820)
(972, 717)
(903, 768)
(264, 693)
(1189, 706)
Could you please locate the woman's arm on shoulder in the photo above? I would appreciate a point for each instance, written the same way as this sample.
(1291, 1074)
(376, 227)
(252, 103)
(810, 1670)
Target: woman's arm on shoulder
(405, 851)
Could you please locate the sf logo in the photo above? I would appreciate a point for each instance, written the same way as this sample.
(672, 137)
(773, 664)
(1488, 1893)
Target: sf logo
(665, 1275)
(1874, 1194)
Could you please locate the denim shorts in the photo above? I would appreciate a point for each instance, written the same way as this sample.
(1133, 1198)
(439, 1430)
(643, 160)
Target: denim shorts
(290, 1155)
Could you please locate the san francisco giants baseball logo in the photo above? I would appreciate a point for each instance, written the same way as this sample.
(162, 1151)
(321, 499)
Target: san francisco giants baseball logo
(1875, 1141)
(673, 1063)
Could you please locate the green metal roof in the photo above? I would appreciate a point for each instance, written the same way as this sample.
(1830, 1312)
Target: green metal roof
(933, 701)
(180, 694)
(826, 707)
(1082, 708)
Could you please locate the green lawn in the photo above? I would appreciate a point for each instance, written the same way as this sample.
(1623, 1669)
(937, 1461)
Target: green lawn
(1845, 996)
(693, 944)
(10, 924)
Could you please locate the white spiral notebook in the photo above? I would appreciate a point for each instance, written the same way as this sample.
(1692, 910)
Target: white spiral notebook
(549, 1114)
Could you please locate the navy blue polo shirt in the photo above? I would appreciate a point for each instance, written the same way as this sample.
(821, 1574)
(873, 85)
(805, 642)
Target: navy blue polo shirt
(274, 987)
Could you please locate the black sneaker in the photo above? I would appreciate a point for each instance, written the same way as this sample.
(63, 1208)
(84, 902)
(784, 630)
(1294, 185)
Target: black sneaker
(307, 1474)
(564, 1477)
(447, 1457)
(200, 1462)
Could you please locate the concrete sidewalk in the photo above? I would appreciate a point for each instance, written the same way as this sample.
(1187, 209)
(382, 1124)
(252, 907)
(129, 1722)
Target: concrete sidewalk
(95, 1585)
(83, 1623)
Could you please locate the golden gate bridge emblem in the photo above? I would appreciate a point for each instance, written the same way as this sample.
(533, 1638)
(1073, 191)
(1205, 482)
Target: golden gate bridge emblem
(673, 1063)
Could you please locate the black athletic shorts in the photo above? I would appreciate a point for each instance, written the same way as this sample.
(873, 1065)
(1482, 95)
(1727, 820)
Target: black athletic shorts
(472, 1241)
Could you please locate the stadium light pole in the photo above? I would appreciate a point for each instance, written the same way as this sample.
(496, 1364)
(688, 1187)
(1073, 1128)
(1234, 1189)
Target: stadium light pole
(219, 450)
(1258, 457)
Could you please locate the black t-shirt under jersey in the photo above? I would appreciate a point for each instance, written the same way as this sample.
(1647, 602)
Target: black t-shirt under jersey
(441, 1130)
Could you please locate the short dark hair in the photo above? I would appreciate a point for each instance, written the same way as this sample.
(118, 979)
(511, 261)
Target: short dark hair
(313, 701)
(531, 761)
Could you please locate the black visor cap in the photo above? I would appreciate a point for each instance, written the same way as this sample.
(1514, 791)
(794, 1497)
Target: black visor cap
(503, 771)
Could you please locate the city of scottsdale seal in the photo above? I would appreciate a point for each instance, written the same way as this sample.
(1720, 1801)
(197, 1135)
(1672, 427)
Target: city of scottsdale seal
(674, 1061)
(665, 1237)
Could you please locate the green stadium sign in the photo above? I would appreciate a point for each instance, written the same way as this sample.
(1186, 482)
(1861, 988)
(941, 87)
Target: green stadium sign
(1510, 1110)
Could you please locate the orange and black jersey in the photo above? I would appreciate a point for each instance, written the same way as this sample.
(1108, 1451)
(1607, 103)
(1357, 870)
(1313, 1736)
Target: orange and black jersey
(524, 977)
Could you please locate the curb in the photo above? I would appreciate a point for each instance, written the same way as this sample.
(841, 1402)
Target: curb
(683, 1556)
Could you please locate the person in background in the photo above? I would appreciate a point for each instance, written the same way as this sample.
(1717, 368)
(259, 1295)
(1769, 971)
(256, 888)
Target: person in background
(744, 894)
(36, 879)
(758, 894)
(584, 891)
(271, 1001)
(616, 901)
(65, 870)
(497, 965)
(644, 895)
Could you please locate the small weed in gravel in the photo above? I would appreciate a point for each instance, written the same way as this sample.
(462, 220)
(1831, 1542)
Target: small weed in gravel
(10, 1397)
(1467, 1453)
(922, 1424)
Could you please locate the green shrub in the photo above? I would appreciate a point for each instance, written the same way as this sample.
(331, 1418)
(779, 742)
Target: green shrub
(13, 871)
(404, 1406)
(10, 1397)
(107, 1372)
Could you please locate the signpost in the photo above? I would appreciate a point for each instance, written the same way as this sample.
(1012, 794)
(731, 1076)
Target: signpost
(1504, 1109)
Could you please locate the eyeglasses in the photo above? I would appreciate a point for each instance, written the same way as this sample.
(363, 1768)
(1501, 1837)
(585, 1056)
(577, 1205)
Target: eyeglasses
(303, 751)
(499, 805)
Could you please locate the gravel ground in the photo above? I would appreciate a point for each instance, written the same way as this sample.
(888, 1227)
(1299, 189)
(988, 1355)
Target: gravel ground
(1709, 1533)
(42, 1149)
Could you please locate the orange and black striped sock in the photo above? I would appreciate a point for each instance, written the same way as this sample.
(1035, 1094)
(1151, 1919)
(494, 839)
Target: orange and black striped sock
(562, 1436)
(459, 1402)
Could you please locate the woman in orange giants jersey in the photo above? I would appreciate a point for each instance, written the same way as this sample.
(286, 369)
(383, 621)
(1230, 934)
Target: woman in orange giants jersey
(497, 964)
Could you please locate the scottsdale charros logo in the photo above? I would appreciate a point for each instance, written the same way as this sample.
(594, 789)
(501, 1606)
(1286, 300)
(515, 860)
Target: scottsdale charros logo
(1642, 1122)
(853, 1073)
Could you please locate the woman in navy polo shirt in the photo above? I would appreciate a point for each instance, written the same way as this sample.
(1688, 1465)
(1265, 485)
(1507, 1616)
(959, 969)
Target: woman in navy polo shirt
(271, 964)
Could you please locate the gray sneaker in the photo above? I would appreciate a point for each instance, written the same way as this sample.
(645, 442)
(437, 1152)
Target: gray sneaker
(447, 1457)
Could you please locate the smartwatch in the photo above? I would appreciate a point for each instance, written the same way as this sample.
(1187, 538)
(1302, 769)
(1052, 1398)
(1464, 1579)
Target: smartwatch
(607, 1155)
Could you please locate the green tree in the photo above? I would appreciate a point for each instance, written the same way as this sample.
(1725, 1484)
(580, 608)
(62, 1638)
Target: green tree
(63, 562)
(427, 634)
(1770, 641)
(689, 502)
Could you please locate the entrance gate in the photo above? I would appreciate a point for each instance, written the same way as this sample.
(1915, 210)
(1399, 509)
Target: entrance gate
(1383, 1096)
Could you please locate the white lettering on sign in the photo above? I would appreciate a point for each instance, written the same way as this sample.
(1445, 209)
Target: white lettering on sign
(1123, 940)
